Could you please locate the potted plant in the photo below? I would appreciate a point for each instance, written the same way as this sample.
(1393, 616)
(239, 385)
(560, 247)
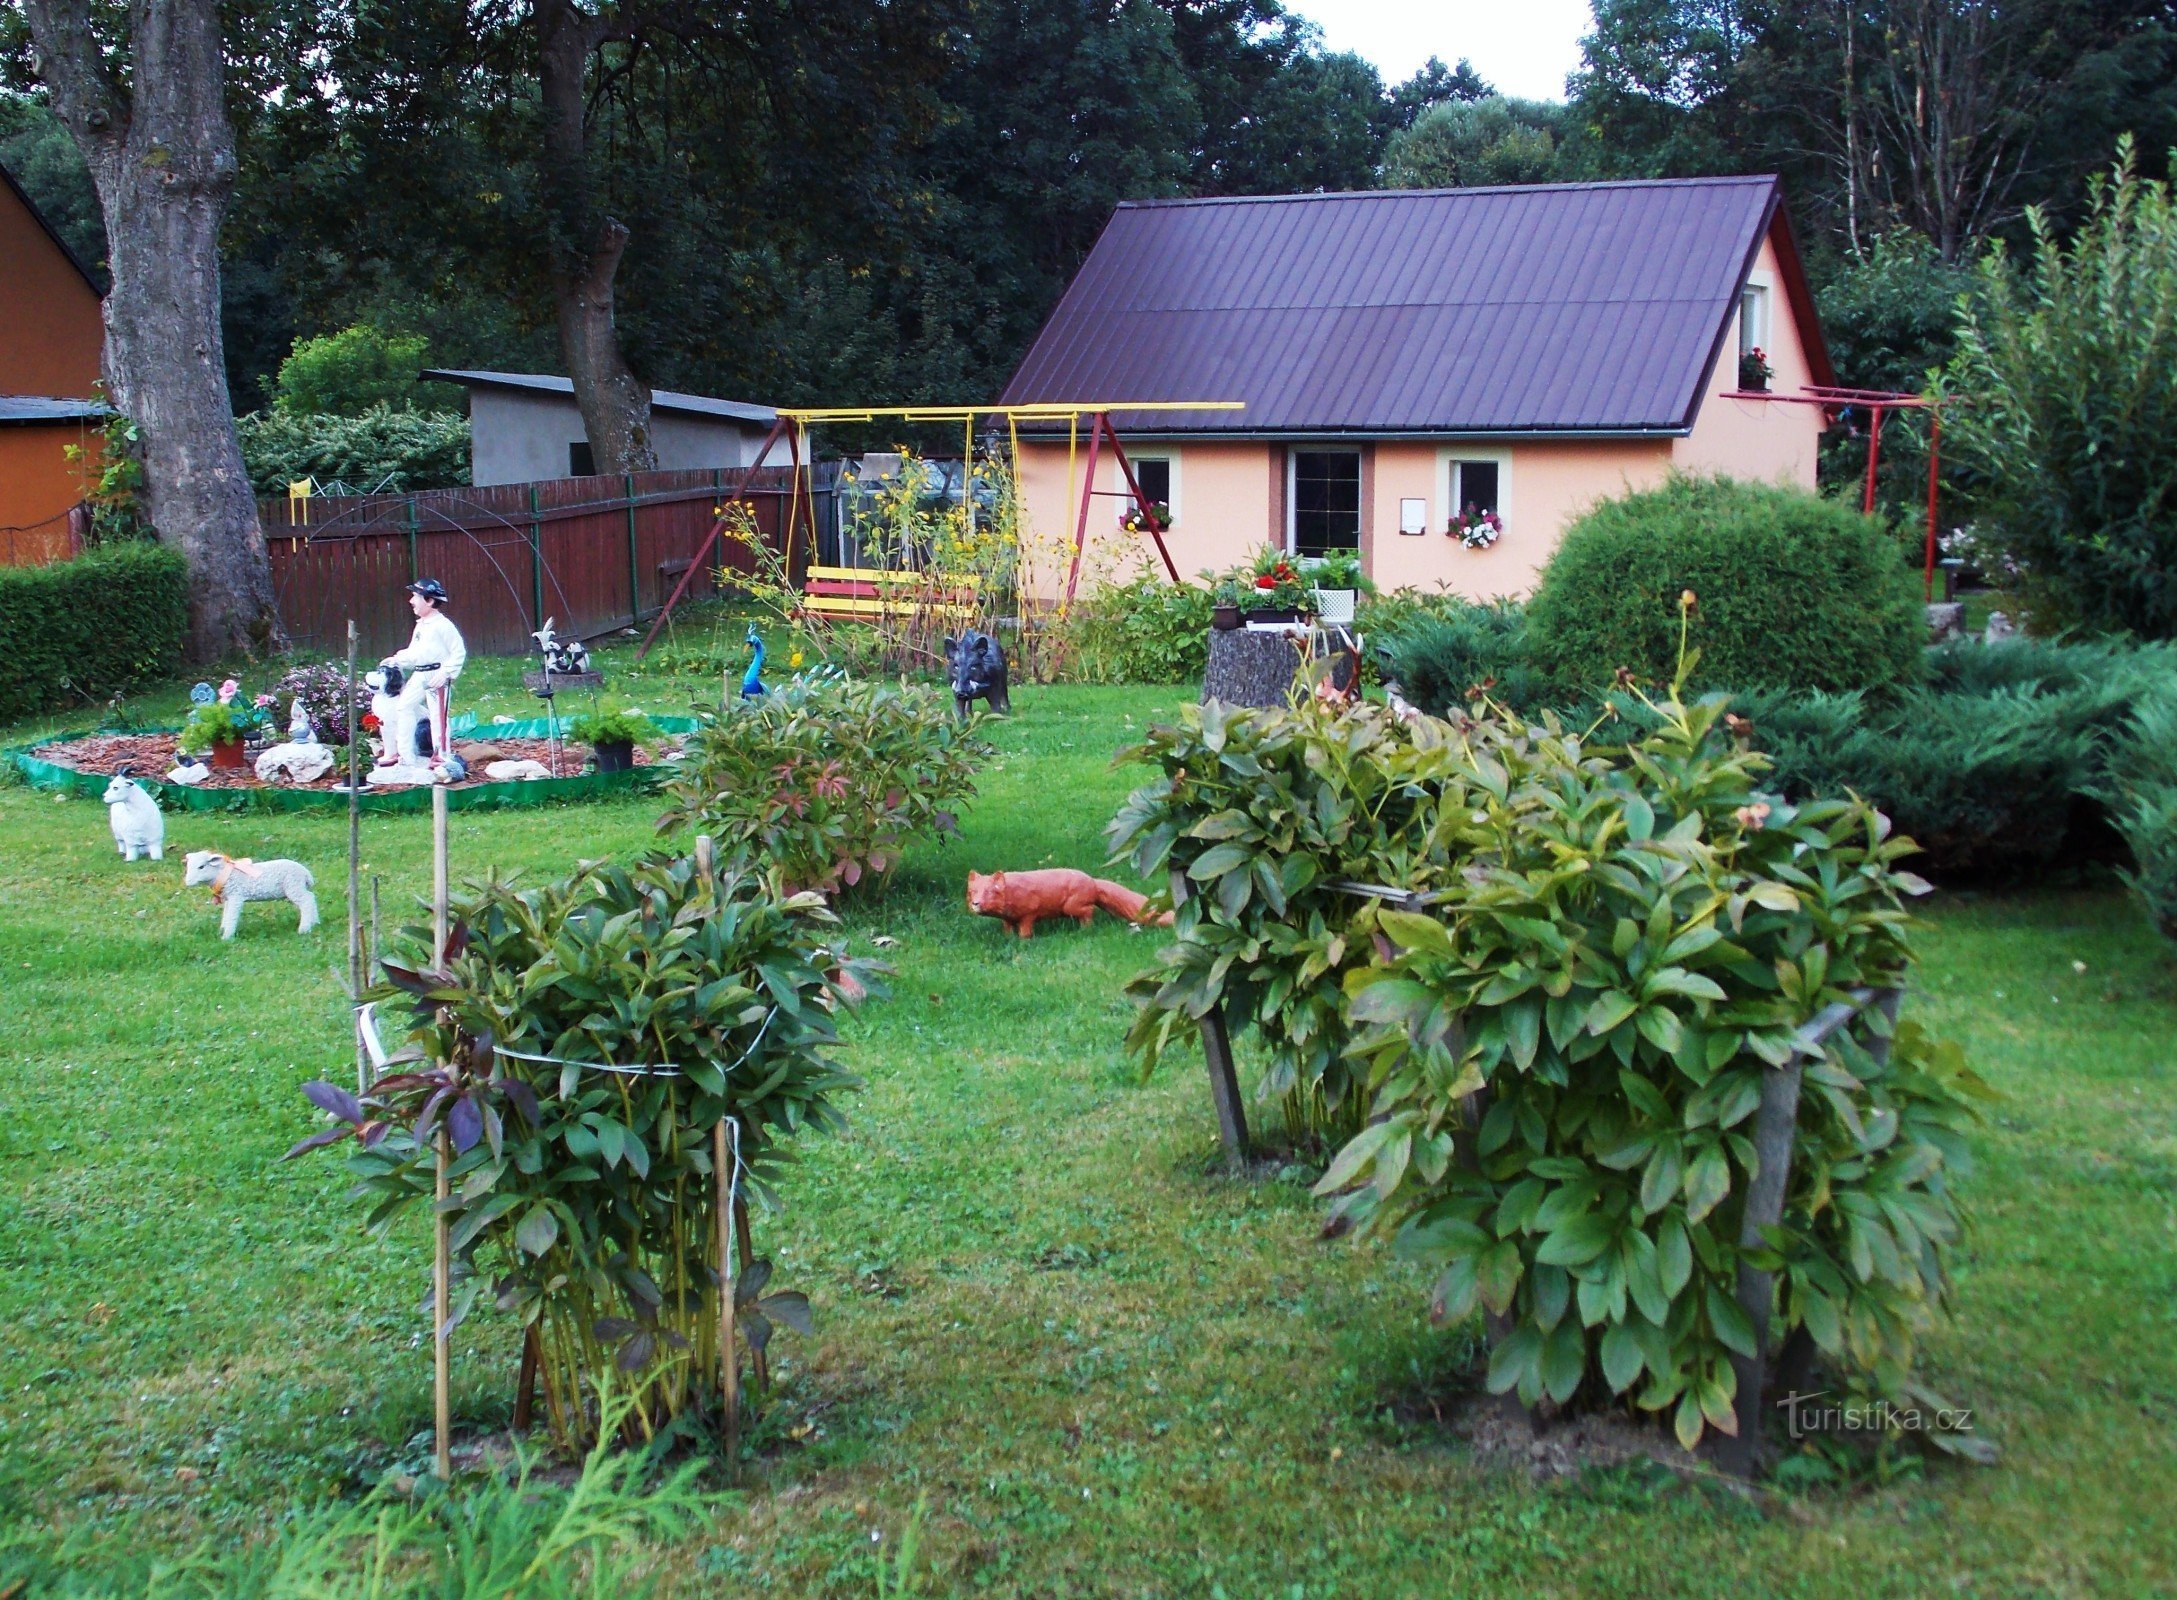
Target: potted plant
(1224, 604)
(1476, 529)
(1338, 585)
(1755, 371)
(218, 726)
(1132, 521)
(613, 734)
(1277, 594)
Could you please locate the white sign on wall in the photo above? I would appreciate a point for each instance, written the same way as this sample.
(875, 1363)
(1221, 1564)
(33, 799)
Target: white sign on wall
(1413, 516)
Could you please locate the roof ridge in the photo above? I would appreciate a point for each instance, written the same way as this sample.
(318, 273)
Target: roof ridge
(1714, 180)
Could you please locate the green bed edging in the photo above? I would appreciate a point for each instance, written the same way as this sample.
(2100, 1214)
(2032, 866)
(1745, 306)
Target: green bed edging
(50, 775)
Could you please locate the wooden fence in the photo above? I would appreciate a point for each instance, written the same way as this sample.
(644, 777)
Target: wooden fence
(593, 554)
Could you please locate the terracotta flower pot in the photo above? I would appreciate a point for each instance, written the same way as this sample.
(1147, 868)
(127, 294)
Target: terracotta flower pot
(228, 754)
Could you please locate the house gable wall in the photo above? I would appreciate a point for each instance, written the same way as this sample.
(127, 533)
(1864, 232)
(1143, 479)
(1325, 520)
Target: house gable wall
(1774, 441)
(52, 333)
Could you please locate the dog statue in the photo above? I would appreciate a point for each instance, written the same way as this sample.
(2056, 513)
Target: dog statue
(398, 700)
(235, 882)
(976, 667)
(563, 658)
(138, 825)
(1021, 899)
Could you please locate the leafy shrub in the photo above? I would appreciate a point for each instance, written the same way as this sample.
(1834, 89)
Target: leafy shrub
(612, 725)
(1793, 592)
(826, 784)
(323, 689)
(1440, 658)
(382, 449)
(587, 1198)
(1564, 1052)
(1147, 631)
(1263, 811)
(348, 373)
(2070, 440)
(220, 722)
(111, 619)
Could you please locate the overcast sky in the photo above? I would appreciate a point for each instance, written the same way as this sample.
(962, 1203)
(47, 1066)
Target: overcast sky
(1524, 47)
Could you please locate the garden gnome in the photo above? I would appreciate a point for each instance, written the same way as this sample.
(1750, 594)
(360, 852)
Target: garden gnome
(432, 660)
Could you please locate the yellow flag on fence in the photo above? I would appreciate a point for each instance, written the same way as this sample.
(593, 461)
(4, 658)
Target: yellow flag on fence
(298, 494)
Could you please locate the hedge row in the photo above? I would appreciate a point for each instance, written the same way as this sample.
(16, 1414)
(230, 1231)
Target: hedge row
(85, 629)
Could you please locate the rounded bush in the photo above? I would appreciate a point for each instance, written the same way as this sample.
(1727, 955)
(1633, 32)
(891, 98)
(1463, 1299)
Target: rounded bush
(1792, 592)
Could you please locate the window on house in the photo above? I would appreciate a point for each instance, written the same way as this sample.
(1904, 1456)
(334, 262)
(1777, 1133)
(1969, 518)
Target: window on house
(1476, 484)
(1753, 319)
(1326, 501)
(581, 460)
(1154, 474)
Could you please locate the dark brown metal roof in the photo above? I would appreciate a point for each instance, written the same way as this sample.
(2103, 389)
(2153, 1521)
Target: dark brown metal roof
(1565, 307)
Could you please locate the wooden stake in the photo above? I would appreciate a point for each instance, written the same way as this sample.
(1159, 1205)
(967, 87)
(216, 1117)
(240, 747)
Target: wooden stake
(438, 875)
(525, 1385)
(376, 944)
(441, 1295)
(729, 1358)
(1224, 1080)
(355, 880)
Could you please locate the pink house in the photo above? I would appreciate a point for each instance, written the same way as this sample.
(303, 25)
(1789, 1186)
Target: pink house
(1404, 354)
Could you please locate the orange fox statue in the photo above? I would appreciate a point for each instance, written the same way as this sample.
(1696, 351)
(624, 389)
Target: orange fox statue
(1022, 899)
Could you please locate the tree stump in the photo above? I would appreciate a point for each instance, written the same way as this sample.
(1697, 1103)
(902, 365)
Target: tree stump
(1250, 669)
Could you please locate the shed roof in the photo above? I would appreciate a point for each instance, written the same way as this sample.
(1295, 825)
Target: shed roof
(1592, 308)
(697, 405)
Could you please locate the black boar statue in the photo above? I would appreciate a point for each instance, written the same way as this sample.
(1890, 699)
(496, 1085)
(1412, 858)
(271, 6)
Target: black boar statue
(977, 668)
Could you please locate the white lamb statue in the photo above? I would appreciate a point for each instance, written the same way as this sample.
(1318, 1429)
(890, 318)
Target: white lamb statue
(235, 881)
(301, 759)
(138, 826)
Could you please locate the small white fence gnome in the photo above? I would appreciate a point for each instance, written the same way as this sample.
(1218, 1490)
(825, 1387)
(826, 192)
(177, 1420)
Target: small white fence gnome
(301, 759)
(235, 881)
(138, 827)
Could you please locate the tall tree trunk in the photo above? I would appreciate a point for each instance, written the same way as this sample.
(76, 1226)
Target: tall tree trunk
(586, 247)
(161, 153)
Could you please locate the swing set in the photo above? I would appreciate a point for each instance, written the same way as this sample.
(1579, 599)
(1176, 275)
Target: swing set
(793, 427)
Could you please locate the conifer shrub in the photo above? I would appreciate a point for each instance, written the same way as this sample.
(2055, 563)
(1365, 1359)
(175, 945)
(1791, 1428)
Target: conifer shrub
(112, 618)
(1792, 592)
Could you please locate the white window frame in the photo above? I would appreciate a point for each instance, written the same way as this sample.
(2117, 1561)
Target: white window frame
(1169, 455)
(1448, 499)
(1292, 475)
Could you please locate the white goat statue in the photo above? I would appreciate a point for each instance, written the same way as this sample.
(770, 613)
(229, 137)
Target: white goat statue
(301, 759)
(138, 826)
(235, 881)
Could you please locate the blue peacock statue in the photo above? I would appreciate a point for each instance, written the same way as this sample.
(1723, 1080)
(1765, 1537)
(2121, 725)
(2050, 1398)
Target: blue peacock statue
(752, 680)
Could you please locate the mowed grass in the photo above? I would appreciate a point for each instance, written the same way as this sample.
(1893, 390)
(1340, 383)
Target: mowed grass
(1099, 1367)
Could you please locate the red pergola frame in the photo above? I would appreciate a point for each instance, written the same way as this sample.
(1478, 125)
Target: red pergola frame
(1879, 403)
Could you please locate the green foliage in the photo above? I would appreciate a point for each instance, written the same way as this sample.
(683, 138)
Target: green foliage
(323, 689)
(1890, 317)
(1149, 630)
(1338, 569)
(826, 785)
(524, 1533)
(111, 619)
(1792, 592)
(1263, 811)
(1456, 652)
(358, 370)
(578, 1046)
(1464, 144)
(612, 725)
(2070, 436)
(1565, 1051)
(380, 450)
(220, 722)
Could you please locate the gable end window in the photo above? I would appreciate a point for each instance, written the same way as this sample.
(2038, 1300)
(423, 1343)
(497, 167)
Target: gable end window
(1325, 501)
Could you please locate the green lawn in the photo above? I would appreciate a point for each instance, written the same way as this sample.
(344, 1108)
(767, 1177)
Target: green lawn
(1104, 1369)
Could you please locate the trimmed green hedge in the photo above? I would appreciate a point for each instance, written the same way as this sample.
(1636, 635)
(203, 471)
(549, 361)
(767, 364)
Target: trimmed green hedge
(1793, 592)
(84, 629)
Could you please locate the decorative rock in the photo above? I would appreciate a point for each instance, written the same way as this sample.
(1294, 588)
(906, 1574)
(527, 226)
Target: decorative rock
(1946, 620)
(1999, 627)
(516, 771)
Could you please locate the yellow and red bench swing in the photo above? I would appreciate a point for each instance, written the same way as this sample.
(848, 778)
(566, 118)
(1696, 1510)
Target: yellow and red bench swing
(871, 592)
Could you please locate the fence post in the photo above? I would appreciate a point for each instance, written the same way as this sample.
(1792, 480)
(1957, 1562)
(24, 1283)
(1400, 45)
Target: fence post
(1776, 1126)
(536, 559)
(1224, 1082)
(634, 568)
(410, 504)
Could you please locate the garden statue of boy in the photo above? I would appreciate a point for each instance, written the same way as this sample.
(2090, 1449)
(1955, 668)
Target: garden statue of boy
(427, 668)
